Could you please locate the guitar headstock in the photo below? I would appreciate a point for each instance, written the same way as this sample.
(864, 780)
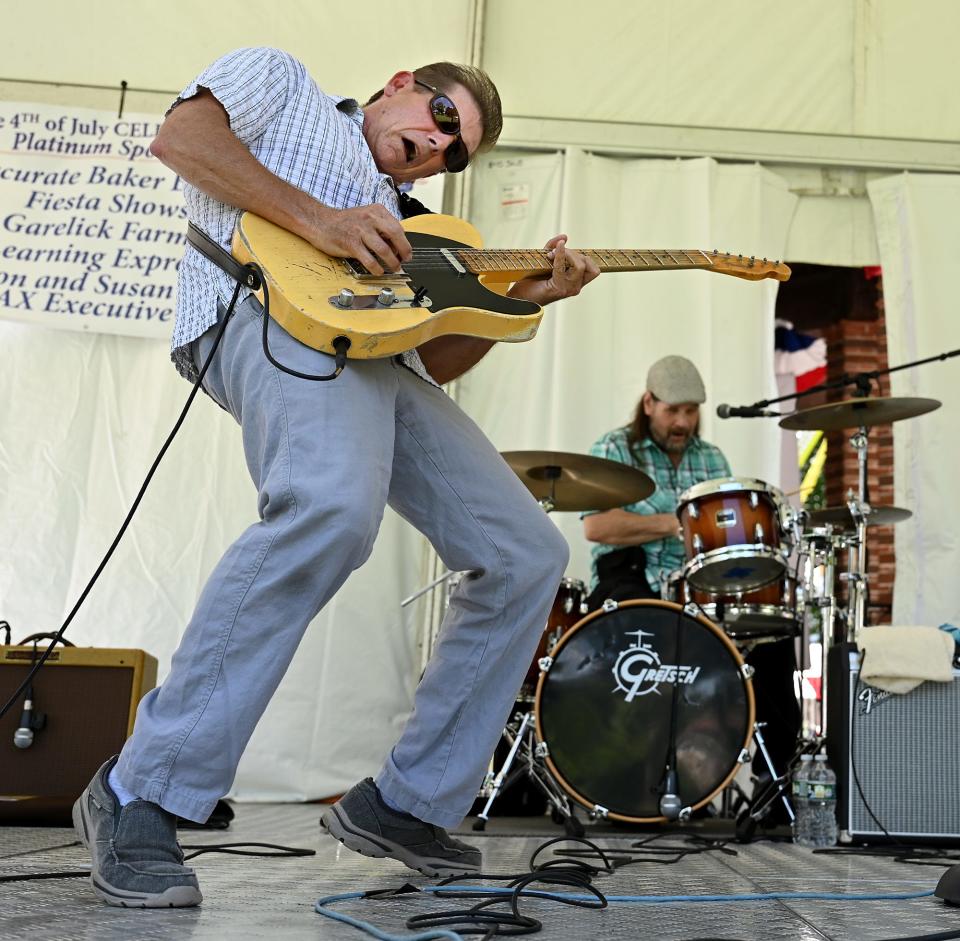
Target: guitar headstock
(748, 267)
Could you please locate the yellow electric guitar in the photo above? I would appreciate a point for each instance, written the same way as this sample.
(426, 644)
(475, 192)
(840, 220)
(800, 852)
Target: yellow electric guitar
(450, 286)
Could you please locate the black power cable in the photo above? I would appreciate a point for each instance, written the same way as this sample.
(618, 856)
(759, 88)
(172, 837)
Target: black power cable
(233, 849)
(133, 509)
(341, 345)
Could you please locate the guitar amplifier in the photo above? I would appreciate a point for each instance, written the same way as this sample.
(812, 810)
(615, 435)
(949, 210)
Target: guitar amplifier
(89, 696)
(906, 753)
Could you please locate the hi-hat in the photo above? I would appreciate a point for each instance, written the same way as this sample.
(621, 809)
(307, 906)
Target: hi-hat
(857, 413)
(563, 481)
(841, 517)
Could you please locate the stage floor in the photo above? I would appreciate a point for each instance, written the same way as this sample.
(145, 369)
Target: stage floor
(246, 898)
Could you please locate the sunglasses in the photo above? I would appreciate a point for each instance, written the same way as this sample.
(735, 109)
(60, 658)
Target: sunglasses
(447, 119)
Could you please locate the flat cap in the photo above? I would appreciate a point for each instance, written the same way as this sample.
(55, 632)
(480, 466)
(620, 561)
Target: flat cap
(674, 379)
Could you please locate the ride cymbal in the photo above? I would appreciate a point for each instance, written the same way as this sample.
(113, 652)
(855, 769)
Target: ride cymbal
(841, 518)
(578, 481)
(857, 413)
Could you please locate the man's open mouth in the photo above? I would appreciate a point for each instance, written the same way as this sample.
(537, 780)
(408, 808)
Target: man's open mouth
(409, 149)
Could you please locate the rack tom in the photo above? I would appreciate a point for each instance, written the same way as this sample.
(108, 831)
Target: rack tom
(734, 534)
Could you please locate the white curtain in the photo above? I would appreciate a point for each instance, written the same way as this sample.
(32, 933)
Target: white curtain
(584, 372)
(84, 416)
(916, 220)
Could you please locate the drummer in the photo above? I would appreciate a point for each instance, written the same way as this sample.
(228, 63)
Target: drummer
(635, 547)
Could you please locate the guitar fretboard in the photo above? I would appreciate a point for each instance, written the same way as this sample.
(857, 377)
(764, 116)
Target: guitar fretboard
(535, 262)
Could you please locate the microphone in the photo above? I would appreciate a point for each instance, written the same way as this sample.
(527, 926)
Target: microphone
(670, 803)
(744, 411)
(30, 721)
(23, 737)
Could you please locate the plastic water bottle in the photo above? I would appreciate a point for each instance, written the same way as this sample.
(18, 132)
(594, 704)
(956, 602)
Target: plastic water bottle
(822, 798)
(800, 798)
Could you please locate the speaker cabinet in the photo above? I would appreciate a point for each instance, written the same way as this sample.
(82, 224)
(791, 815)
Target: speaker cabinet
(906, 753)
(89, 696)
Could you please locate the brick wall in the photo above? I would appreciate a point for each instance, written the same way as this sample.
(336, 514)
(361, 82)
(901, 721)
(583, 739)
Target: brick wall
(861, 346)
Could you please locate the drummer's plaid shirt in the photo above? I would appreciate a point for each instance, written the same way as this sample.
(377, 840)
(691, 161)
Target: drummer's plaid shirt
(701, 461)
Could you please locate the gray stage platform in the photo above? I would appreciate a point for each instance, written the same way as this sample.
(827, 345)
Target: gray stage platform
(249, 898)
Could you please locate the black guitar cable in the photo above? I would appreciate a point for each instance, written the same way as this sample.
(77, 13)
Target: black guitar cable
(250, 276)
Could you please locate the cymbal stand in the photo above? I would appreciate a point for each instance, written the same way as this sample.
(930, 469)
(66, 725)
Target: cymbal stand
(856, 574)
(762, 803)
(825, 602)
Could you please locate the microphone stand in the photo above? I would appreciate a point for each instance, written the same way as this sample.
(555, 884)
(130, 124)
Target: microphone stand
(861, 380)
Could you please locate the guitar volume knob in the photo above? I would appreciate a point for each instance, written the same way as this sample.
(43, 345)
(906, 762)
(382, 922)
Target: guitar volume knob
(345, 298)
(386, 297)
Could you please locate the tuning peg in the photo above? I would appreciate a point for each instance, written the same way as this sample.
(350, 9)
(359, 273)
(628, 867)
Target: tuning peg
(752, 260)
(764, 259)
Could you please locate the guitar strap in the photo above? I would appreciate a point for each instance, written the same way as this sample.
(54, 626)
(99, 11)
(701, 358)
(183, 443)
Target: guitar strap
(245, 274)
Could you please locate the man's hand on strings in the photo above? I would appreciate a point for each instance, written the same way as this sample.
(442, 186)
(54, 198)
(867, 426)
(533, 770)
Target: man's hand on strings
(368, 233)
(571, 271)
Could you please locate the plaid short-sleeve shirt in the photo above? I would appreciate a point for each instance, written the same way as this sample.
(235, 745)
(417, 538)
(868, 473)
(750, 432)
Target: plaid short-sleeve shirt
(701, 461)
(298, 133)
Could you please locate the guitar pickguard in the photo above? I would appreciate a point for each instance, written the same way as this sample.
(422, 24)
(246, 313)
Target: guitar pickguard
(446, 287)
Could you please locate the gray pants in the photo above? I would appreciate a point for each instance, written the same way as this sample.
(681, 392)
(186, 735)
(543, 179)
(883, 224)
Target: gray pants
(326, 457)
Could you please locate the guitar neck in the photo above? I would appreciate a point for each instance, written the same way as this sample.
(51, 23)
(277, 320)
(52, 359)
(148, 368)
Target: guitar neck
(514, 264)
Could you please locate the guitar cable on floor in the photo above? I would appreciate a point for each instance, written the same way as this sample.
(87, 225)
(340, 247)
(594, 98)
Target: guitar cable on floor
(454, 924)
(573, 872)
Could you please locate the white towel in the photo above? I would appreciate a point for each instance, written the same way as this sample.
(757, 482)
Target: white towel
(898, 659)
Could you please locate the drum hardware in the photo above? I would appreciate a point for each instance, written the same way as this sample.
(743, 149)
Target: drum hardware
(428, 587)
(776, 789)
(520, 733)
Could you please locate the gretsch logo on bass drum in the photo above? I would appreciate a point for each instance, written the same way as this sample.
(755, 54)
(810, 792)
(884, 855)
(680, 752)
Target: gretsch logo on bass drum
(639, 670)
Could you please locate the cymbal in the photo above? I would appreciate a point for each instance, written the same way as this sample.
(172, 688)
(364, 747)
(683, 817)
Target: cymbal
(579, 481)
(840, 517)
(855, 413)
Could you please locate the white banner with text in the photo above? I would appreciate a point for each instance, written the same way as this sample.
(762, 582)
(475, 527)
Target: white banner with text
(92, 226)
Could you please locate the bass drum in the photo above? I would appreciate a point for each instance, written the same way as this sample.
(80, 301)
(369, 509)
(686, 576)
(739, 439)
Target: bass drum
(603, 709)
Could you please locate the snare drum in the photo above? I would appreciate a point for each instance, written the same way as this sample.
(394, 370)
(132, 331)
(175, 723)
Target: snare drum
(604, 702)
(770, 613)
(568, 608)
(734, 534)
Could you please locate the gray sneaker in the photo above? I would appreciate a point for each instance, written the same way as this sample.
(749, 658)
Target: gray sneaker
(136, 861)
(364, 823)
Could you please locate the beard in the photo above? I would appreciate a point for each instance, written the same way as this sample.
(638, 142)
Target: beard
(672, 444)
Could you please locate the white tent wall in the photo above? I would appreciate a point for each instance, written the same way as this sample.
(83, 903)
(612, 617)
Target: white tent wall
(585, 371)
(919, 246)
(821, 67)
